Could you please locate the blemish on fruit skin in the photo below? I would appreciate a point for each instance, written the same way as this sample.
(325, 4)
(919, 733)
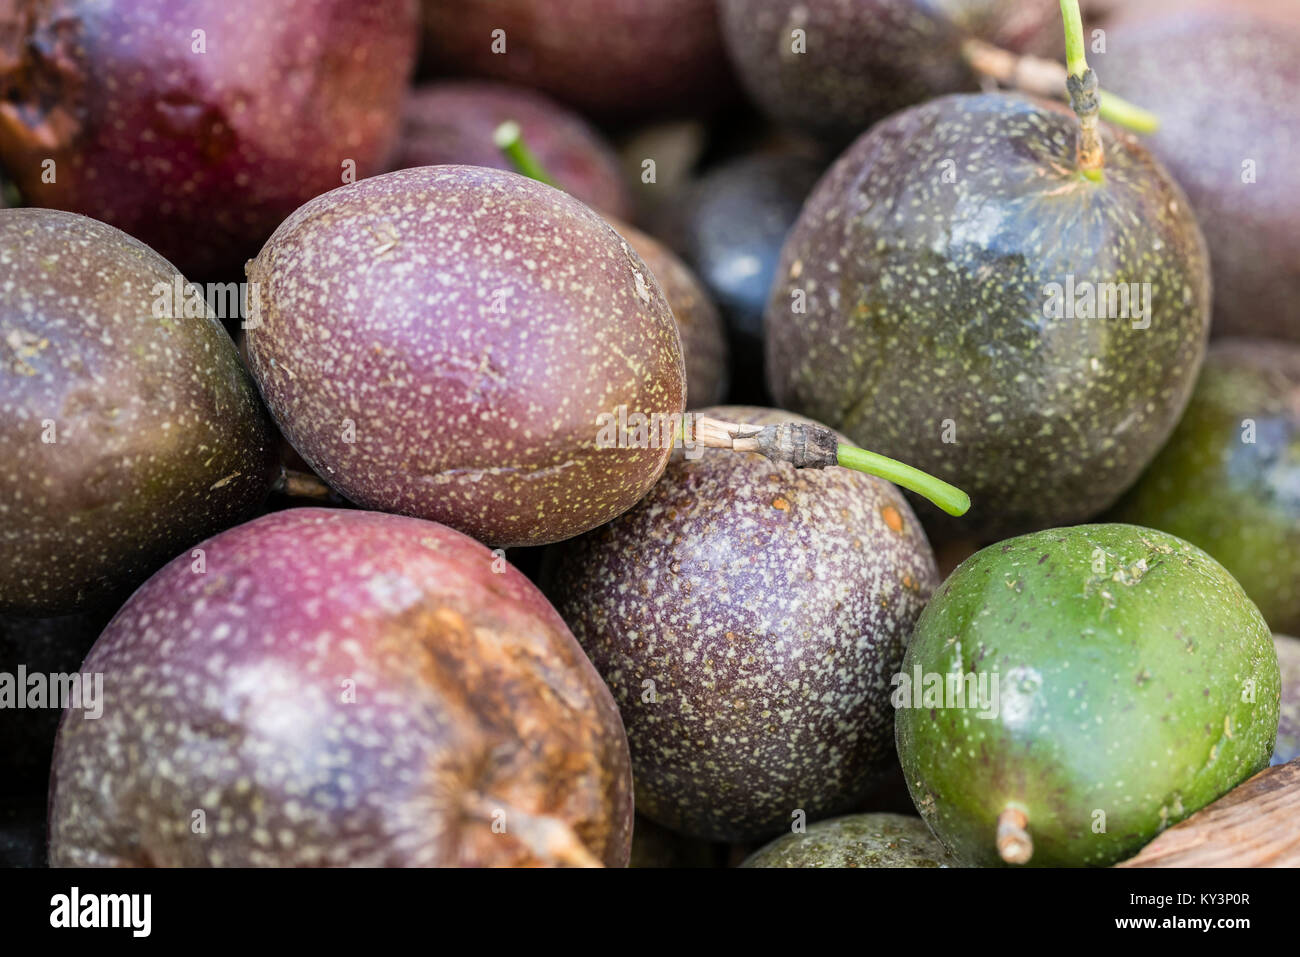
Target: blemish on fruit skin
(455, 697)
(893, 518)
(780, 503)
(817, 599)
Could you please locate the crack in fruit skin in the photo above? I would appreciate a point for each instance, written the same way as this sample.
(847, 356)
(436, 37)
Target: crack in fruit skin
(228, 692)
(925, 305)
(1236, 495)
(472, 325)
(770, 607)
(160, 439)
(1126, 699)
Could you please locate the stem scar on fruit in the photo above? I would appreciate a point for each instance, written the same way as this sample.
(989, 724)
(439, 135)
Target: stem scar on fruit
(801, 445)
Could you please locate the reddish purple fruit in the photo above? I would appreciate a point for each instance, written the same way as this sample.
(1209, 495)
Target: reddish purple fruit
(748, 618)
(441, 342)
(341, 688)
(197, 126)
(616, 59)
(453, 122)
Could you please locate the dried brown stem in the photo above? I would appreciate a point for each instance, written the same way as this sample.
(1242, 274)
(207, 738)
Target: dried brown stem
(296, 484)
(801, 444)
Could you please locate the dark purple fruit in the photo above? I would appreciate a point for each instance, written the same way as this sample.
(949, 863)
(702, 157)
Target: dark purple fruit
(342, 688)
(1228, 479)
(453, 122)
(619, 60)
(863, 59)
(128, 429)
(197, 125)
(748, 618)
(441, 341)
(729, 226)
(1224, 86)
(921, 307)
(704, 343)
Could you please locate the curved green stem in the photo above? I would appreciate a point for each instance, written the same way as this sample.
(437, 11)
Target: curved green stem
(1121, 112)
(509, 139)
(948, 497)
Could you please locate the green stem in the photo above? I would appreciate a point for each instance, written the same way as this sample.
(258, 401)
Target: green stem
(1121, 112)
(948, 497)
(509, 139)
(1076, 55)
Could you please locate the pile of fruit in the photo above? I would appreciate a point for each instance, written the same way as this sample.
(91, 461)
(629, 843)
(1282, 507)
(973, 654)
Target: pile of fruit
(786, 433)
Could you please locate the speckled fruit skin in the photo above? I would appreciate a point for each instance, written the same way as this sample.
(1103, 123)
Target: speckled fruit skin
(1288, 728)
(856, 840)
(926, 299)
(160, 437)
(769, 607)
(864, 59)
(1223, 85)
(1123, 657)
(471, 325)
(453, 121)
(199, 155)
(729, 226)
(1237, 499)
(46, 646)
(704, 341)
(340, 688)
(620, 60)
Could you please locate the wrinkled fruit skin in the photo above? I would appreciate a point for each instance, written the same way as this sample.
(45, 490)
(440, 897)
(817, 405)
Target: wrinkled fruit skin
(1232, 487)
(341, 688)
(856, 840)
(769, 607)
(867, 58)
(453, 121)
(160, 439)
(440, 342)
(41, 646)
(1224, 88)
(925, 336)
(618, 60)
(1288, 729)
(729, 226)
(704, 341)
(1124, 657)
(200, 155)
